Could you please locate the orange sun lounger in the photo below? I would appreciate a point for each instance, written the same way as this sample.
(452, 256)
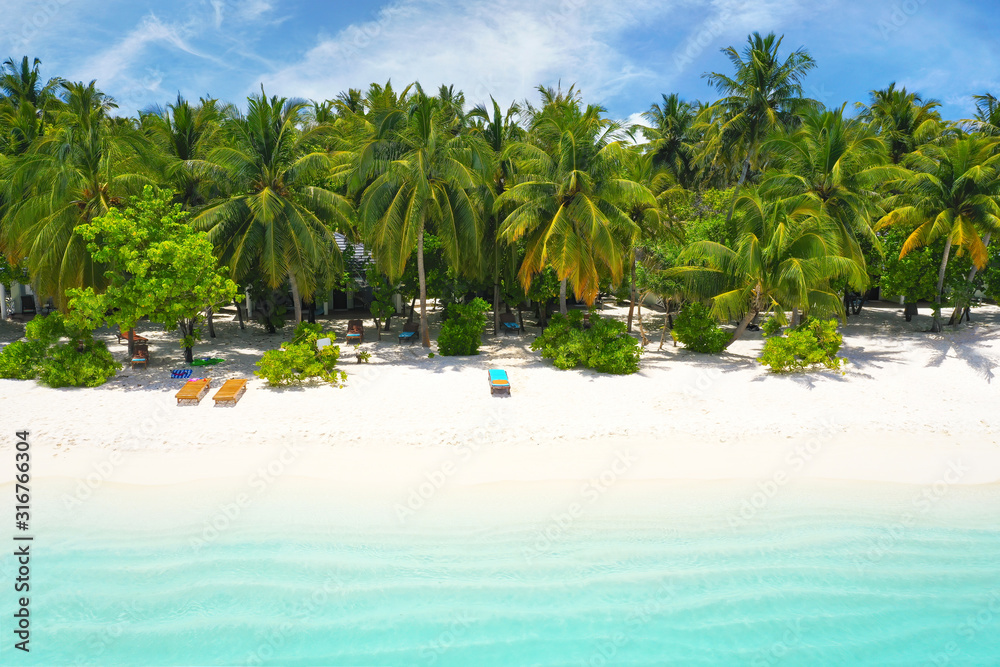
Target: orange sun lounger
(193, 391)
(230, 393)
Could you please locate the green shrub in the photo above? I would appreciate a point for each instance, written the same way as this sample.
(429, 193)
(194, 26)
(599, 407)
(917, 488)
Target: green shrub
(66, 365)
(21, 360)
(300, 359)
(697, 330)
(812, 342)
(462, 332)
(46, 354)
(605, 347)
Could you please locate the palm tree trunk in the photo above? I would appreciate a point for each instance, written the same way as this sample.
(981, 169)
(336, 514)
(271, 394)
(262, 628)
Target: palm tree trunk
(666, 321)
(425, 335)
(631, 293)
(956, 317)
(936, 325)
(562, 297)
(736, 193)
(742, 327)
(413, 310)
(795, 317)
(642, 333)
(296, 301)
(187, 328)
(496, 305)
(239, 313)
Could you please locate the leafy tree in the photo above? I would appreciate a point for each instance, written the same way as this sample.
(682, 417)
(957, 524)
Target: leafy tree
(461, 333)
(158, 266)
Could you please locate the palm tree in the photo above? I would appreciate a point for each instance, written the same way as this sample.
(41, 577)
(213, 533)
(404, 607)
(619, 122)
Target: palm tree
(903, 119)
(570, 208)
(76, 172)
(785, 257)
(420, 176)
(184, 134)
(763, 94)
(838, 163)
(277, 223)
(954, 193)
(26, 105)
(649, 214)
(987, 120)
(499, 130)
(672, 138)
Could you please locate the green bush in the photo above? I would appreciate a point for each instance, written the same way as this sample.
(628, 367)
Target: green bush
(605, 347)
(462, 332)
(300, 359)
(697, 330)
(80, 361)
(812, 342)
(68, 366)
(21, 360)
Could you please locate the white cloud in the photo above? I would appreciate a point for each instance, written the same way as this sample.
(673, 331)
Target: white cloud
(484, 47)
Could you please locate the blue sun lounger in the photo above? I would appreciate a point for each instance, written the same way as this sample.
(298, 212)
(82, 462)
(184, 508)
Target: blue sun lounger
(499, 383)
(409, 332)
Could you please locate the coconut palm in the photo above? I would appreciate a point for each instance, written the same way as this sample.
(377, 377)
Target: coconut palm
(420, 177)
(903, 119)
(186, 133)
(26, 104)
(277, 223)
(954, 193)
(76, 172)
(785, 257)
(987, 119)
(570, 207)
(672, 138)
(499, 130)
(839, 163)
(763, 94)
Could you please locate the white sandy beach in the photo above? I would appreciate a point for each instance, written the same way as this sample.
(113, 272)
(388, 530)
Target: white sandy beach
(911, 407)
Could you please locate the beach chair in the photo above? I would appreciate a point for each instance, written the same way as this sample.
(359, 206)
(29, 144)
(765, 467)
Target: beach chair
(230, 393)
(355, 332)
(140, 355)
(499, 383)
(409, 333)
(124, 337)
(193, 391)
(509, 323)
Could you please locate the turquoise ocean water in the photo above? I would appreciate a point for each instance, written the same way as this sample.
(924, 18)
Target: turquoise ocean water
(838, 577)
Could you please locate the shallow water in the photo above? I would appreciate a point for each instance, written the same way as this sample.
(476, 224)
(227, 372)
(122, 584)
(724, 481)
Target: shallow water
(818, 576)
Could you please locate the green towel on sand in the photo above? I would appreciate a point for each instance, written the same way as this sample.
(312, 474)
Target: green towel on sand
(206, 362)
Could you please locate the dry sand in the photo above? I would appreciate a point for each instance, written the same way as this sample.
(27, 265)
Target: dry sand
(911, 407)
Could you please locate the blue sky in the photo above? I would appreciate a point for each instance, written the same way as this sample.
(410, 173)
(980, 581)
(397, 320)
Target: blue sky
(144, 53)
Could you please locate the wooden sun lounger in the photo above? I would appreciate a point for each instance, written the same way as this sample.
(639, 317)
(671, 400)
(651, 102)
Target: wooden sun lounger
(499, 382)
(230, 393)
(193, 391)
